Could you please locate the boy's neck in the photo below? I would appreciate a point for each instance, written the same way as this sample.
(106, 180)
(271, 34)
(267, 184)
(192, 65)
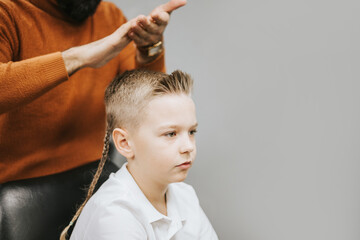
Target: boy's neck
(155, 193)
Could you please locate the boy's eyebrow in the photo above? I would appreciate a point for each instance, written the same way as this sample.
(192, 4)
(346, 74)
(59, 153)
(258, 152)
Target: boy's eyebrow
(176, 126)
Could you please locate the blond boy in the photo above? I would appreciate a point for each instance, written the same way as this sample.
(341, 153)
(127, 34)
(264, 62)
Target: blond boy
(152, 120)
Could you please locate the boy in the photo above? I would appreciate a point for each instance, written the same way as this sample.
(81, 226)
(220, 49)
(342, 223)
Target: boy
(151, 117)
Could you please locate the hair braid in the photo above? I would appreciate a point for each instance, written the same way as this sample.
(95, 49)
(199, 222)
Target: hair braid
(97, 175)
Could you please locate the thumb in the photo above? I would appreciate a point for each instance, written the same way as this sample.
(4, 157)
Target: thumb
(120, 37)
(171, 6)
(124, 28)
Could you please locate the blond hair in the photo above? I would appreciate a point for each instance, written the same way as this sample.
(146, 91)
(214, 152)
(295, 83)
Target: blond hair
(125, 99)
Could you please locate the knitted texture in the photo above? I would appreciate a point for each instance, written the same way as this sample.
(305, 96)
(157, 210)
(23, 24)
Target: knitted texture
(50, 122)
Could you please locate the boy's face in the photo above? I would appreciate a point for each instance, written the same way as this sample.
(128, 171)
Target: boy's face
(164, 144)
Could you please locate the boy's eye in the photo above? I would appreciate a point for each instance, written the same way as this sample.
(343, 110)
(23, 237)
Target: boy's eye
(170, 134)
(192, 132)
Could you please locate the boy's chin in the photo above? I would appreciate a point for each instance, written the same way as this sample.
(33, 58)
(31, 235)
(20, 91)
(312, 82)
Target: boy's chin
(180, 177)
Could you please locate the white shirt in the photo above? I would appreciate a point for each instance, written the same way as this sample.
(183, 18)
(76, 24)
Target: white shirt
(119, 210)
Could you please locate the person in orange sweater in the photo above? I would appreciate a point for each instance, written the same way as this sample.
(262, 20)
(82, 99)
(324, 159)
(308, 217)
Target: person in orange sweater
(56, 59)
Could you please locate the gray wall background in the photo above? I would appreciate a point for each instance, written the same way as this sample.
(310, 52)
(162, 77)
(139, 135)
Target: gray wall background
(277, 94)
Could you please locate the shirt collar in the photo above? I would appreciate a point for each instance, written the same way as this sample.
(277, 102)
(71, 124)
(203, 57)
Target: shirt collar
(144, 204)
(174, 207)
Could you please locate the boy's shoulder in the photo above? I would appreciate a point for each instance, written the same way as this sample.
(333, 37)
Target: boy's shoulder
(111, 190)
(110, 212)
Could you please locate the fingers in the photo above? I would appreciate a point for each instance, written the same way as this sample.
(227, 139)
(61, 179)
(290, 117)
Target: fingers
(171, 5)
(140, 35)
(148, 34)
(149, 30)
(150, 25)
(145, 31)
(137, 39)
(125, 28)
(160, 18)
(142, 40)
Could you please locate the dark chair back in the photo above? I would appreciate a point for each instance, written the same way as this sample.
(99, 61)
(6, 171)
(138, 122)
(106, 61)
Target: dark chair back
(39, 208)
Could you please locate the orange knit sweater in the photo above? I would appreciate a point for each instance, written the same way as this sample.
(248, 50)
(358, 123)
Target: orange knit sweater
(50, 122)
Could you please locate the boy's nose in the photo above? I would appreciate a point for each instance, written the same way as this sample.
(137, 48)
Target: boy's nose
(188, 145)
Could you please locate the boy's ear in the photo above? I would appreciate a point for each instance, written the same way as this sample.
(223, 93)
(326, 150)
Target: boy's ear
(121, 141)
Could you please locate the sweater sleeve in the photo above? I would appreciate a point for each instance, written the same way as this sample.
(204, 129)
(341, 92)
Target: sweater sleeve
(23, 81)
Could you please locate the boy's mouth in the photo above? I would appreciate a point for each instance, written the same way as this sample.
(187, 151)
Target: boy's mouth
(184, 165)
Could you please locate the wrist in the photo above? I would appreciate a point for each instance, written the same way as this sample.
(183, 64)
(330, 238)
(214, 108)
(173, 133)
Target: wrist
(152, 50)
(146, 54)
(72, 60)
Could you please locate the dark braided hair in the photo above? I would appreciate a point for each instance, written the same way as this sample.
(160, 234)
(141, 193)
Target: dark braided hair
(98, 172)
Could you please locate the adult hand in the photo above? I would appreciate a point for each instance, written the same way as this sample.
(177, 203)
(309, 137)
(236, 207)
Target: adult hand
(143, 30)
(98, 53)
(148, 30)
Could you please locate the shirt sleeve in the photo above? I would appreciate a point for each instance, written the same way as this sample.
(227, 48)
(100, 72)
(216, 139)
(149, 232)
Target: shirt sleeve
(23, 81)
(207, 232)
